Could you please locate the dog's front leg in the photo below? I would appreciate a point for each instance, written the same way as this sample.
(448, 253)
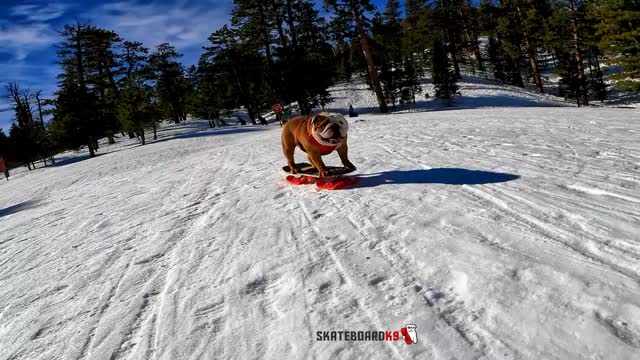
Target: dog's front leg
(343, 151)
(316, 160)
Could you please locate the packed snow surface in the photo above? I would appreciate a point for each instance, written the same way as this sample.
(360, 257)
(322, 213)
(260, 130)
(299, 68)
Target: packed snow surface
(502, 233)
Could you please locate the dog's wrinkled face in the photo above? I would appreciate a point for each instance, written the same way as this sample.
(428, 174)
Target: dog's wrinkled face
(330, 129)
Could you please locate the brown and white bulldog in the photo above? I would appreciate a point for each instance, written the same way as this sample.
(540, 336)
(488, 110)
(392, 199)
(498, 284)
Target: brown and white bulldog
(316, 135)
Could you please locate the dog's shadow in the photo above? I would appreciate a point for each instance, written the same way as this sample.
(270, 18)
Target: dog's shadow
(449, 176)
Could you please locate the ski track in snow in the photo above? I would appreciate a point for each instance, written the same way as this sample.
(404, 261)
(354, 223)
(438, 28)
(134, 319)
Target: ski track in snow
(195, 247)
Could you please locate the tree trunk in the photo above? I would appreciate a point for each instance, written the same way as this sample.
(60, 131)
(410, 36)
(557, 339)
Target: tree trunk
(364, 45)
(90, 146)
(532, 56)
(79, 57)
(581, 79)
(275, 11)
(252, 115)
(174, 115)
(155, 132)
(40, 111)
(131, 133)
(292, 30)
(534, 65)
(142, 139)
(110, 137)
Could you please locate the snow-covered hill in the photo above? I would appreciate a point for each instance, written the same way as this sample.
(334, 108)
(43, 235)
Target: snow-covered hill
(475, 93)
(503, 232)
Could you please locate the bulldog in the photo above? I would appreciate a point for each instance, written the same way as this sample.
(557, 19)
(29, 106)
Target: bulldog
(316, 135)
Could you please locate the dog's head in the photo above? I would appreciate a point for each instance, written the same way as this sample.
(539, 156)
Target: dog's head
(329, 129)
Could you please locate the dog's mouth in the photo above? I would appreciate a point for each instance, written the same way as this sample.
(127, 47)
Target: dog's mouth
(332, 140)
(331, 135)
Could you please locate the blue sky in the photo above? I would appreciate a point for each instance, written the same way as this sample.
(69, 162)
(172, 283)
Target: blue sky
(28, 33)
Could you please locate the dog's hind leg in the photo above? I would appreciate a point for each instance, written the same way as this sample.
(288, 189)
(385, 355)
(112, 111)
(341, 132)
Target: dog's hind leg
(288, 151)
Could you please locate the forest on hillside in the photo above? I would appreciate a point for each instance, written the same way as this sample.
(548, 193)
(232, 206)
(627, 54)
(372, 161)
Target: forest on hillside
(286, 51)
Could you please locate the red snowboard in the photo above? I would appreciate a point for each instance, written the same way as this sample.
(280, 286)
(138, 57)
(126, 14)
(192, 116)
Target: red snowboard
(309, 175)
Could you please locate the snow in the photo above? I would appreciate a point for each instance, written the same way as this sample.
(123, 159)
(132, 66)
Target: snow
(476, 93)
(508, 232)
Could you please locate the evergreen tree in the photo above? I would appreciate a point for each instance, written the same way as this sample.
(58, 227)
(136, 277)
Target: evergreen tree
(27, 137)
(387, 29)
(618, 22)
(416, 36)
(76, 119)
(355, 10)
(102, 67)
(135, 107)
(239, 70)
(448, 26)
(4, 145)
(468, 16)
(170, 82)
(444, 77)
(524, 20)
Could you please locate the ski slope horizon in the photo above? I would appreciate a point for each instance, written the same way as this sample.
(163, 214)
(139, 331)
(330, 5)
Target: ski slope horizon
(507, 227)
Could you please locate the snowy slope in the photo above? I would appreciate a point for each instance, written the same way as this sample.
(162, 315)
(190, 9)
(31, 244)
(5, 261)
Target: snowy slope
(475, 93)
(502, 233)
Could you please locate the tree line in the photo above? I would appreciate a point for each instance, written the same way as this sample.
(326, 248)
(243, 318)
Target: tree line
(286, 51)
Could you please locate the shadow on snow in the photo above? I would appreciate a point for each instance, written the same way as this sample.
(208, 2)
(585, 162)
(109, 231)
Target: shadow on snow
(210, 132)
(203, 132)
(449, 176)
(18, 207)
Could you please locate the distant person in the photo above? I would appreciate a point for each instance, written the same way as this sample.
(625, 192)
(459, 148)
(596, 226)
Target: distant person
(352, 111)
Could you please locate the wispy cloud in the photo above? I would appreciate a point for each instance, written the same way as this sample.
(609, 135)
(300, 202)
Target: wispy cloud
(184, 24)
(40, 12)
(19, 40)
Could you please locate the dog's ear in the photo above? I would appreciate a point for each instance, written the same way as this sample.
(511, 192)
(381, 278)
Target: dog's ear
(319, 121)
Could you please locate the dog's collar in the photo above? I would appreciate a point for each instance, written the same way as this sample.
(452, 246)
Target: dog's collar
(324, 149)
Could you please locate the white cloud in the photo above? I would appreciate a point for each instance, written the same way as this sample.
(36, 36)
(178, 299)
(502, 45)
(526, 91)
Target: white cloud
(35, 12)
(20, 40)
(184, 24)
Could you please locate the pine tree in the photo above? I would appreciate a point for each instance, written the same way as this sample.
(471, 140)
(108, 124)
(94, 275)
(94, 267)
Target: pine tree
(444, 77)
(618, 22)
(135, 107)
(386, 30)
(239, 69)
(76, 120)
(4, 145)
(103, 64)
(449, 24)
(525, 19)
(355, 9)
(416, 35)
(170, 85)
(469, 22)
